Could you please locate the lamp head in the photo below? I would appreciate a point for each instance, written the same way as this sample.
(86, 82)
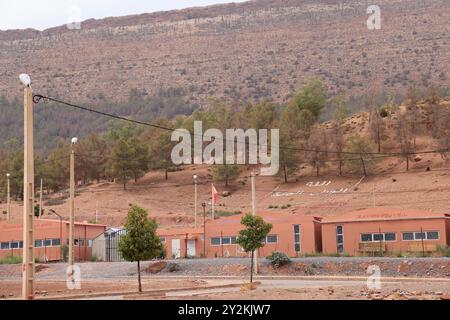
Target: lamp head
(195, 178)
(8, 175)
(74, 140)
(25, 79)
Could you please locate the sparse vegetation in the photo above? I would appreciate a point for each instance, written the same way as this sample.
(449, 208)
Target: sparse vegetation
(11, 260)
(278, 259)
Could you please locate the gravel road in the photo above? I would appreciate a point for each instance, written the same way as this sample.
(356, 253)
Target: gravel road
(318, 266)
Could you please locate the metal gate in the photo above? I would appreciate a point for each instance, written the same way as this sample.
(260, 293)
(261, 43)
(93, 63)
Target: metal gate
(112, 245)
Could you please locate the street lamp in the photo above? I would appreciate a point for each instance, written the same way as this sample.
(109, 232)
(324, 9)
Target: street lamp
(28, 191)
(51, 211)
(72, 203)
(204, 229)
(195, 201)
(8, 198)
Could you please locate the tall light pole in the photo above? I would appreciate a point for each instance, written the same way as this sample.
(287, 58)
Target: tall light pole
(204, 229)
(255, 257)
(8, 198)
(72, 204)
(28, 192)
(195, 201)
(40, 200)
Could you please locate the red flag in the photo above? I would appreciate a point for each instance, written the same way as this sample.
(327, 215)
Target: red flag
(214, 195)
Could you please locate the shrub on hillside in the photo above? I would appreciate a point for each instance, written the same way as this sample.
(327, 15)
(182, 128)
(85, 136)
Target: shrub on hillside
(278, 259)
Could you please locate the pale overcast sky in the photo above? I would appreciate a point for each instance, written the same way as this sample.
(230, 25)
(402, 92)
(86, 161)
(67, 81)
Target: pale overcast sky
(43, 14)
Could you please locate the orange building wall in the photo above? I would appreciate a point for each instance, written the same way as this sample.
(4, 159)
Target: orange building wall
(170, 235)
(352, 233)
(46, 230)
(283, 228)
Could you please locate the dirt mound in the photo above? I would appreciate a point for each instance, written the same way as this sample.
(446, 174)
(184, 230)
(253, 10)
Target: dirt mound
(156, 267)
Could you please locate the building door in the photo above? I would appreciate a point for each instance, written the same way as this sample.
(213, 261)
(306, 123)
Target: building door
(176, 249)
(191, 248)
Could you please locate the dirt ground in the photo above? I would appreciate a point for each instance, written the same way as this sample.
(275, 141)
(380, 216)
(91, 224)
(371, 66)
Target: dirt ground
(12, 289)
(389, 291)
(171, 202)
(304, 278)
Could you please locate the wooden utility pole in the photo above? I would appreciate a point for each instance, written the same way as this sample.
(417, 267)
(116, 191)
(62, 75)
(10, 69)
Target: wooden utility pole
(28, 197)
(8, 198)
(255, 255)
(195, 201)
(40, 200)
(72, 207)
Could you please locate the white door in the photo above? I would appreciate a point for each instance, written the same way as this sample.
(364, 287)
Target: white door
(176, 250)
(191, 248)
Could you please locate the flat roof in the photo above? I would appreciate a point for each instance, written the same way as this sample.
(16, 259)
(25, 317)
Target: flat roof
(383, 214)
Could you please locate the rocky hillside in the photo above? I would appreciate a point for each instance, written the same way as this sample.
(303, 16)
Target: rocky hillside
(254, 50)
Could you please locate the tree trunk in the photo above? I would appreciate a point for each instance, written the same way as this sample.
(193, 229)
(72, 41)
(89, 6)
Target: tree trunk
(226, 176)
(364, 166)
(340, 166)
(124, 185)
(139, 275)
(379, 139)
(251, 267)
(317, 170)
(285, 174)
(407, 162)
(166, 174)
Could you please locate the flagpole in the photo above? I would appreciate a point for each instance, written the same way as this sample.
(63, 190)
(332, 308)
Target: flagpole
(212, 202)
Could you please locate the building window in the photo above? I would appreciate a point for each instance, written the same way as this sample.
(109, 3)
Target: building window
(340, 239)
(56, 242)
(162, 239)
(4, 245)
(408, 236)
(390, 236)
(226, 241)
(90, 243)
(215, 241)
(376, 237)
(15, 245)
(420, 235)
(38, 243)
(416, 236)
(47, 242)
(272, 239)
(297, 242)
(21, 244)
(433, 235)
